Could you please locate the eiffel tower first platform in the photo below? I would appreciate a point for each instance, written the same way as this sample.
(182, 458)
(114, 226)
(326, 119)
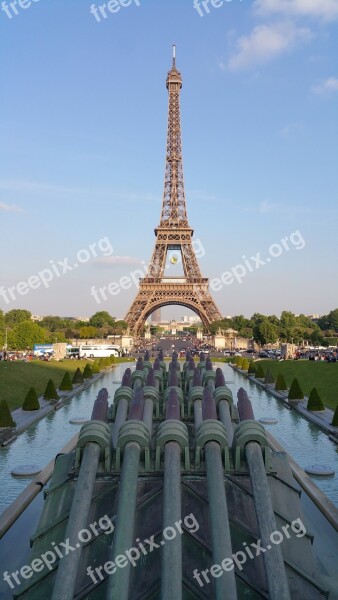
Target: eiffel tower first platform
(173, 233)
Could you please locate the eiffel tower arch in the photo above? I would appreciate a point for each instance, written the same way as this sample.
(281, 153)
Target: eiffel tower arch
(173, 233)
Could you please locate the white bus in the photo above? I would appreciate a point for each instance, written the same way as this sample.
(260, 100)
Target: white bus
(99, 351)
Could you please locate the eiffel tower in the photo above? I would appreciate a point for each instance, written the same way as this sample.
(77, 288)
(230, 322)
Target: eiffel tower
(173, 233)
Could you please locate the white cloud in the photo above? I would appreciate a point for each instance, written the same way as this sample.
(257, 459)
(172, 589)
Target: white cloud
(266, 42)
(326, 86)
(326, 10)
(10, 207)
(108, 261)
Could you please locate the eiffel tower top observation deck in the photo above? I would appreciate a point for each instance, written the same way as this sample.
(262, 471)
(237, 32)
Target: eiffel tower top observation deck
(173, 233)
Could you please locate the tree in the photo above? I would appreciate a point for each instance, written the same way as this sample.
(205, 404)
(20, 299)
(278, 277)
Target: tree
(50, 391)
(52, 323)
(101, 319)
(280, 383)
(16, 316)
(88, 332)
(265, 332)
(315, 402)
(26, 334)
(31, 401)
(6, 419)
(66, 383)
(118, 327)
(295, 391)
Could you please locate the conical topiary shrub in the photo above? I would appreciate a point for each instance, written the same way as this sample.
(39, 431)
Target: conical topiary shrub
(102, 364)
(66, 383)
(315, 402)
(335, 417)
(269, 378)
(87, 372)
(280, 383)
(260, 374)
(252, 368)
(5, 415)
(107, 361)
(31, 401)
(295, 391)
(95, 368)
(77, 377)
(245, 364)
(50, 391)
(112, 359)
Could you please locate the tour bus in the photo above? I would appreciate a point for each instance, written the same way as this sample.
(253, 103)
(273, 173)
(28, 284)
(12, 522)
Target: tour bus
(99, 351)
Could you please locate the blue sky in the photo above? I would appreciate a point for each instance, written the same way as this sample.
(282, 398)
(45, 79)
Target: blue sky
(83, 116)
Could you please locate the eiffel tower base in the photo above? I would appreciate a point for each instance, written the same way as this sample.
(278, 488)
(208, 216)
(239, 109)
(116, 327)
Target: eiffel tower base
(153, 295)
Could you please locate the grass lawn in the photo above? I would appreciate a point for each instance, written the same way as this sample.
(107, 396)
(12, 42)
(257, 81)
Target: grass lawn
(16, 377)
(310, 374)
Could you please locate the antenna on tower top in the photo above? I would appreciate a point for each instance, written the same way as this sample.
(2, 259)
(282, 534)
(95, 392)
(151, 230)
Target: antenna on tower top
(174, 55)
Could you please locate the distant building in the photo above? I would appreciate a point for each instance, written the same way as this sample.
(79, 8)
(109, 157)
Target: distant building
(156, 316)
(36, 318)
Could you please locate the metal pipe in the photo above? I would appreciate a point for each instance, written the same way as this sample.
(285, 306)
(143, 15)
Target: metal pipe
(65, 581)
(197, 382)
(171, 583)
(273, 558)
(149, 403)
(119, 582)
(225, 586)
(223, 407)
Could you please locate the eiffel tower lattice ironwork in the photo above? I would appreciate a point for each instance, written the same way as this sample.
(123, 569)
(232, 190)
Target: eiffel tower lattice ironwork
(173, 233)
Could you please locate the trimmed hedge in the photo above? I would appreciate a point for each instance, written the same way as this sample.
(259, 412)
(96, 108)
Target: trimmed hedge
(77, 377)
(269, 378)
(31, 401)
(295, 391)
(5, 415)
(87, 372)
(245, 364)
(280, 383)
(50, 391)
(335, 418)
(260, 374)
(315, 402)
(252, 368)
(66, 383)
